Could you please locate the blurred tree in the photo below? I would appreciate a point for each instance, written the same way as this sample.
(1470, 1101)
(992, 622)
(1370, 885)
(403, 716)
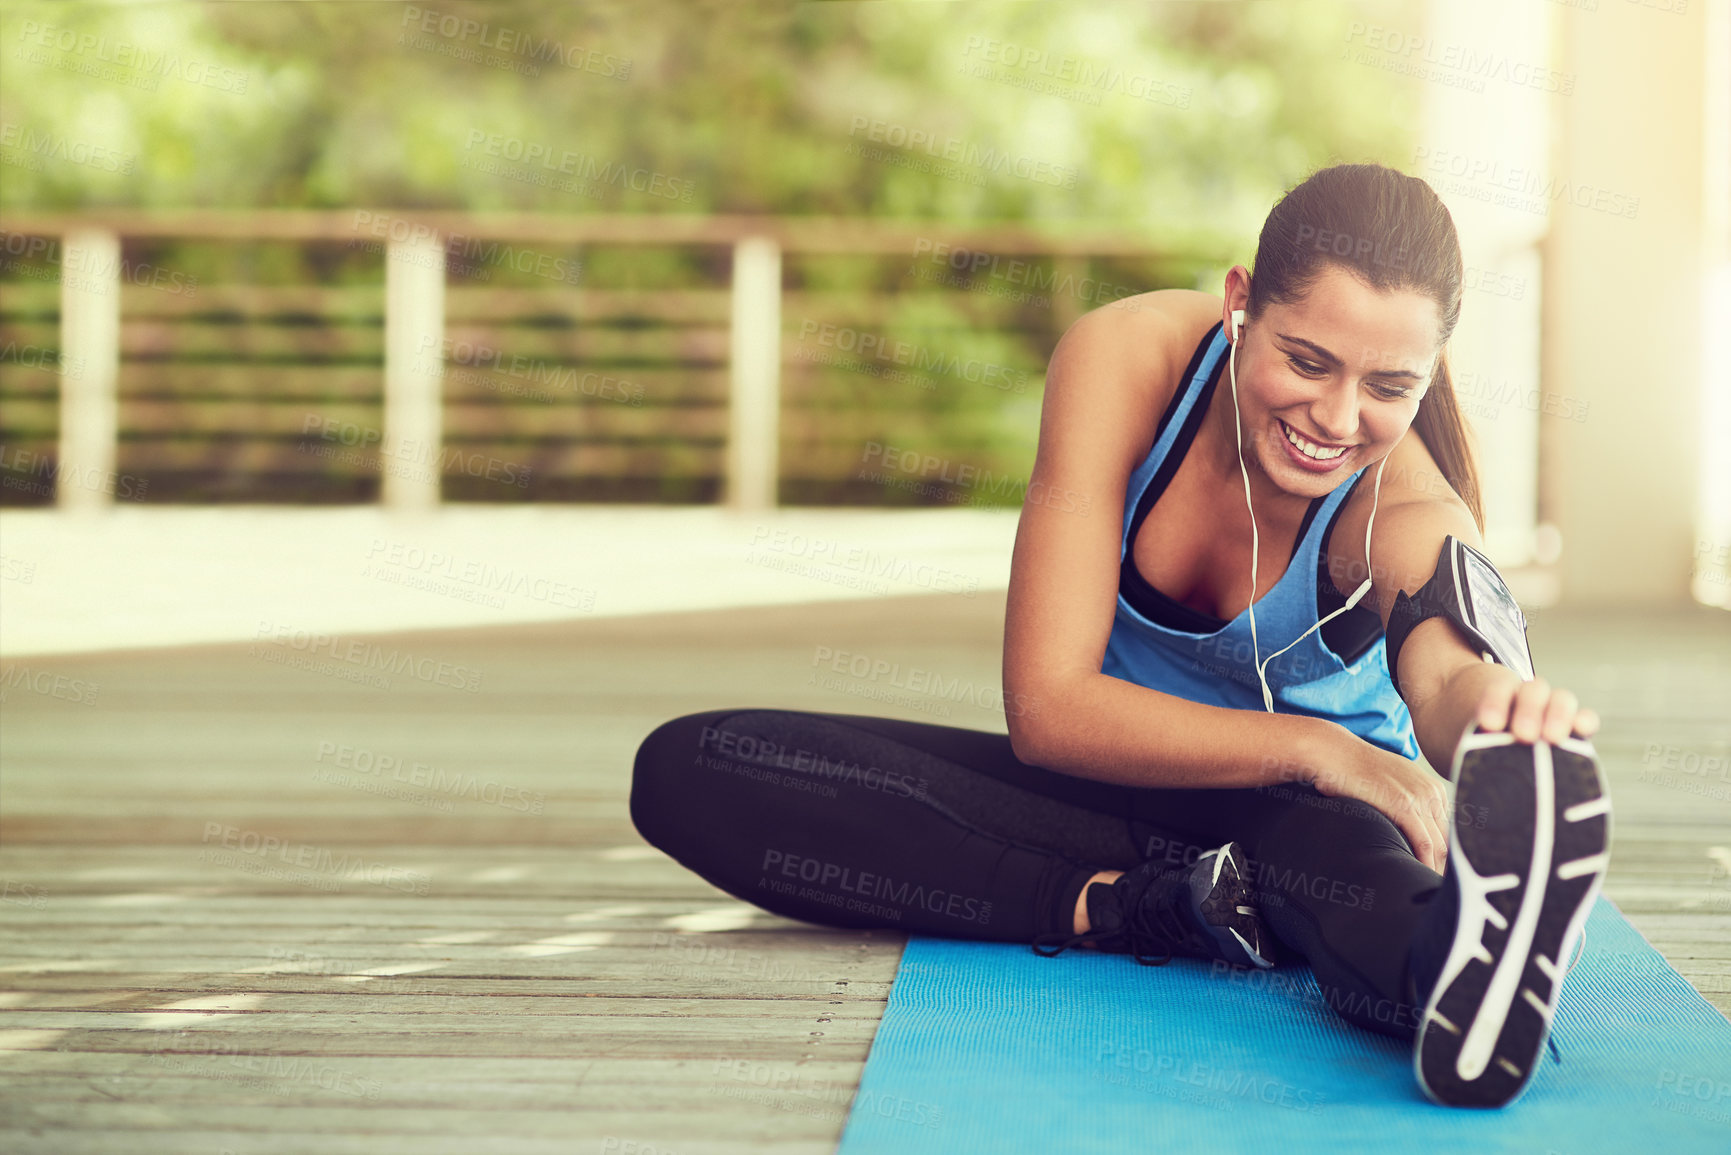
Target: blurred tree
(1188, 118)
(1182, 122)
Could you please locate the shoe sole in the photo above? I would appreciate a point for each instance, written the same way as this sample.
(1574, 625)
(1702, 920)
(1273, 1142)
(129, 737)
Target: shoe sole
(1229, 907)
(1524, 882)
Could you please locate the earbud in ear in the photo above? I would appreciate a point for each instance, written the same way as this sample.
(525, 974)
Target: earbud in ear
(1237, 321)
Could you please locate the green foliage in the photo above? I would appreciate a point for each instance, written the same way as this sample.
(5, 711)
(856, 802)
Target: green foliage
(1176, 118)
(1180, 122)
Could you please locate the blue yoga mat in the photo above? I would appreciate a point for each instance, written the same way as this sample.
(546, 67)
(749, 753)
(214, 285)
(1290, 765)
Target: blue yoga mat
(987, 1048)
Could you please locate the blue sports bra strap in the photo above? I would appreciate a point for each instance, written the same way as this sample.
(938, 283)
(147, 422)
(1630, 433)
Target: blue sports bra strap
(1204, 360)
(1177, 427)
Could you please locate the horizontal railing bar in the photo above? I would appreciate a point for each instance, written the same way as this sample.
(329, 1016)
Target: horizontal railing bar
(793, 234)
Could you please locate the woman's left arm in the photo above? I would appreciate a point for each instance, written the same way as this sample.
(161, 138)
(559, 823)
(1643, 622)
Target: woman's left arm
(1447, 685)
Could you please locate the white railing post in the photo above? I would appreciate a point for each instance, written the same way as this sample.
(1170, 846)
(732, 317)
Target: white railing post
(754, 397)
(414, 365)
(90, 279)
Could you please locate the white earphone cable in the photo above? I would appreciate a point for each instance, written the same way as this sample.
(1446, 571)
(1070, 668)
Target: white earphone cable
(1357, 594)
(1363, 587)
(1238, 429)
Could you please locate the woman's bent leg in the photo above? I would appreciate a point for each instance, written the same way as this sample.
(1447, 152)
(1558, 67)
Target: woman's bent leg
(872, 822)
(1336, 880)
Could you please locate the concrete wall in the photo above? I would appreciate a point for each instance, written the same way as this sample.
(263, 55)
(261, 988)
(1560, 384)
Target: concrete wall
(1478, 129)
(1623, 326)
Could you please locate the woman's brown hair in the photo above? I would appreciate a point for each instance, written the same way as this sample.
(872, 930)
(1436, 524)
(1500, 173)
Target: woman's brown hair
(1392, 232)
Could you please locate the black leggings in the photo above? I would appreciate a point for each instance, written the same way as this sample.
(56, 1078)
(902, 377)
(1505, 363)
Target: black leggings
(864, 822)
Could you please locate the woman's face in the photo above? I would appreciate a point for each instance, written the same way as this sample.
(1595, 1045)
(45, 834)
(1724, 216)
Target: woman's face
(1342, 370)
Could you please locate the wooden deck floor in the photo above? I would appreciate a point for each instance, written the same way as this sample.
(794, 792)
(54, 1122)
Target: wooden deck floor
(250, 906)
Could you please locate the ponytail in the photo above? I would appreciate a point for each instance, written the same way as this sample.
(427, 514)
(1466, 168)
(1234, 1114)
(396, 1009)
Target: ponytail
(1440, 426)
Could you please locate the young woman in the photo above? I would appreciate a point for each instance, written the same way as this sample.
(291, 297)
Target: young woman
(1193, 767)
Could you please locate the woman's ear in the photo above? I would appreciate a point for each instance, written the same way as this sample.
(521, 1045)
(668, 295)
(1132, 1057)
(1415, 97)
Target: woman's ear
(1236, 290)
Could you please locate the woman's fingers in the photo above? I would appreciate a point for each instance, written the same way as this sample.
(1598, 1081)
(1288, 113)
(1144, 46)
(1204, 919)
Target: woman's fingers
(1414, 799)
(1534, 711)
(1435, 801)
(1417, 831)
(1494, 705)
(1439, 826)
(1529, 709)
(1429, 843)
(1422, 817)
(1560, 715)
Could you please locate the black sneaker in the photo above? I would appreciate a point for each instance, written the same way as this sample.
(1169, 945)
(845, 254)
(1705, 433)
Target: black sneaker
(1520, 881)
(1155, 912)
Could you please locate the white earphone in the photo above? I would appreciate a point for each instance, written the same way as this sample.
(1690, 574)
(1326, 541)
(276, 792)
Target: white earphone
(1364, 587)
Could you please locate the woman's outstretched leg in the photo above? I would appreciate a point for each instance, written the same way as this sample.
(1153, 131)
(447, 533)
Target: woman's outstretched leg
(849, 823)
(865, 822)
(871, 822)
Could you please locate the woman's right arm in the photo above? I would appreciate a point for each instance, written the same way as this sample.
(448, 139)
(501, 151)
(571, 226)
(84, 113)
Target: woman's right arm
(1104, 393)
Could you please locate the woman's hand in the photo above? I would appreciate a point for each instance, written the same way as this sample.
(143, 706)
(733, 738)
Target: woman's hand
(1533, 711)
(1492, 697)
(1412, 796)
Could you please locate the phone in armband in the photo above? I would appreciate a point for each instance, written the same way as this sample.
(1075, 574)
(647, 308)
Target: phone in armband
(1467, 589)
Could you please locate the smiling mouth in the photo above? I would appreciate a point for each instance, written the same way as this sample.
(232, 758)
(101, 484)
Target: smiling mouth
(1310, 448)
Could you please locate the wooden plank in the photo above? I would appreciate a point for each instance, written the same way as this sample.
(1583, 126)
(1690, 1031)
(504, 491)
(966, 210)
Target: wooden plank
(163, 340)
(153, 339)
(357, 421)
(505, 1082)
(816, 234)
(664, 1133)
(37, 379)
(199, 380)
(481, 423)
(356, 424)
(141, 990)
(566, 1035)
(613, 384)
(599, 382)
(378, 1016)
(702, 345)
(36, 418)
(472, 345)
(38, 298)
(34, 333)
(144, 456)
(355, 303)
(512, 305)
(333, 1113)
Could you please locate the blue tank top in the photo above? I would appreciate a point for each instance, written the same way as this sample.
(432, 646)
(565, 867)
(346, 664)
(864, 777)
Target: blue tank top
(1193, 656)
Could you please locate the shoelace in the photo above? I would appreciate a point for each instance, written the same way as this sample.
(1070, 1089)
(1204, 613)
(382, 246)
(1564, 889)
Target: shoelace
(1161, 924)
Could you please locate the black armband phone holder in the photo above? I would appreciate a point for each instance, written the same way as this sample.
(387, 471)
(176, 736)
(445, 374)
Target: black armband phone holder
(1466, 589)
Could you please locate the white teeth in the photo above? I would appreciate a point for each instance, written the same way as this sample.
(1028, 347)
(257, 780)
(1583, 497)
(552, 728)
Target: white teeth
(1308, 448)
